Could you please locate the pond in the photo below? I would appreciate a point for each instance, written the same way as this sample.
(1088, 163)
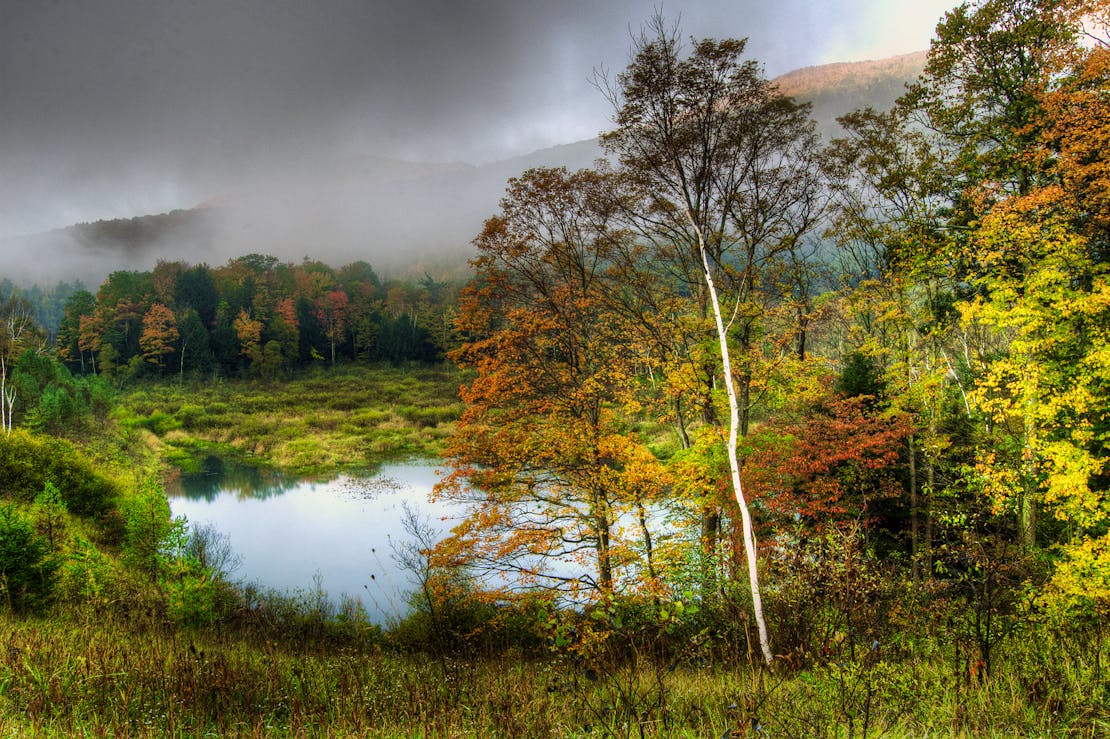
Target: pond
(297, 535)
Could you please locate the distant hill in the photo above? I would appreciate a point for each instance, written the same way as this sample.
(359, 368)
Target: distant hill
(403, 217)
(134, 236)
(837, 89)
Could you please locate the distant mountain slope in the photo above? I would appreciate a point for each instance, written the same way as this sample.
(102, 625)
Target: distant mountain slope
(133, 236)
(837, 89)
(400, 216)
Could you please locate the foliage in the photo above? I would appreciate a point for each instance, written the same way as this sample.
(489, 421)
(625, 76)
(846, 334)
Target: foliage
(189, 586)
(29, 461)
(253, 315)
(918, 417)
(50, 513)
(53, 400)
(540, 438)
(27, 569)
(147, 527)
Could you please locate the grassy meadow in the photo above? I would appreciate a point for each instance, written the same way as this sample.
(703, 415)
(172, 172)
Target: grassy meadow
(324, 421)
(132, 675)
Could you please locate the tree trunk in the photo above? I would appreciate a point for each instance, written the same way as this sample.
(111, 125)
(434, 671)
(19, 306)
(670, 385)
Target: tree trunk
(1027, 514)
(680, 422)
(604, 560)
(181, 372)
(710, 533)
(733, 462)
(930, 478)
(648, 552)
(915, 525)
(3, 395)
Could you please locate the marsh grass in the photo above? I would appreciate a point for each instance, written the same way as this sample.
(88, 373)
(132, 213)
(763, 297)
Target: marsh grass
(264, 670)
(325, 420)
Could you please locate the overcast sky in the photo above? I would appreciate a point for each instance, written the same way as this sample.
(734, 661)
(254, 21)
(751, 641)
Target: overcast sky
(120, 107)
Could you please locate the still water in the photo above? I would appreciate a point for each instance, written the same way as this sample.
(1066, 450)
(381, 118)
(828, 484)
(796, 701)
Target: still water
(295, 535)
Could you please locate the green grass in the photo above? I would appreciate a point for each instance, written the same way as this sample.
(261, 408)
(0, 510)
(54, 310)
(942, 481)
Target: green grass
(349, 418)
(129, 674)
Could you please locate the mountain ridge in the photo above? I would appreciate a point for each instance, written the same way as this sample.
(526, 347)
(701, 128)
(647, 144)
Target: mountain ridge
(390, 212)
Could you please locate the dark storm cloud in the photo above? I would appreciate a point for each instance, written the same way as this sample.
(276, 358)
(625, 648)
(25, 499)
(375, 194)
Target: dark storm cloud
(120, 107)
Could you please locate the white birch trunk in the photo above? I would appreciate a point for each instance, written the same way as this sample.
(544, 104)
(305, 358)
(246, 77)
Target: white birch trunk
(733, 462)
(5, 415)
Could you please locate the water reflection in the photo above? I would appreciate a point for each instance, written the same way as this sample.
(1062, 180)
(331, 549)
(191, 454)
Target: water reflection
(294, 534)
(217, 476)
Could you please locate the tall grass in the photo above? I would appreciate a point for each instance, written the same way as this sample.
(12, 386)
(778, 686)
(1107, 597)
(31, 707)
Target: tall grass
(125, 671)
(348, 418)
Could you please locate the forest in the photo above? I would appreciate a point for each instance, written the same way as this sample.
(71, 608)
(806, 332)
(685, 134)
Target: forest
(759, 433)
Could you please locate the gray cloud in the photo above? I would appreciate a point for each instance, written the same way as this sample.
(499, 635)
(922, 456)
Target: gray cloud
(121, 107)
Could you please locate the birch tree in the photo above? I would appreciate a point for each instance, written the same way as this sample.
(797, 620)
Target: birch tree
(18, 332)
(694, 135)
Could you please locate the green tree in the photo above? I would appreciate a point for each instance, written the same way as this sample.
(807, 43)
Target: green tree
(18, 332)
(26, 568)
(980, 89)
(81, 304)
(50, 514)
(147, 523)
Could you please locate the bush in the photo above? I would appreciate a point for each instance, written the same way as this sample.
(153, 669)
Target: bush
(148, 523)
(87, 575)
(26, 567)
(29, 461)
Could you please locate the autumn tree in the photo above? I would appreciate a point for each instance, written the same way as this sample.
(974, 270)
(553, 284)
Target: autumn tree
(249, 332)
(332, 309)
(717, 157)
(834, 463)
(541, 456)
(159, 334)
(285, 330)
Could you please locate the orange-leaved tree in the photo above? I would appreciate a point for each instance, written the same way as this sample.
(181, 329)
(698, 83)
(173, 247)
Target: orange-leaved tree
(542, 457)
(159, 334)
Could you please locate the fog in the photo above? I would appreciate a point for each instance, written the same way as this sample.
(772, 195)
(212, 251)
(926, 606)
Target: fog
(337, 129)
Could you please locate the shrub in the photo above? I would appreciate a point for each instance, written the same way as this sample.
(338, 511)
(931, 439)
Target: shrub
(86, 576)
(29, 461)
(26, 567)
(188, 585)
(193, 417)
(148, 523)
